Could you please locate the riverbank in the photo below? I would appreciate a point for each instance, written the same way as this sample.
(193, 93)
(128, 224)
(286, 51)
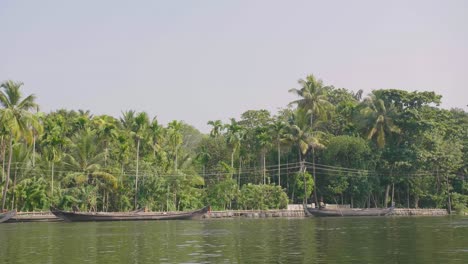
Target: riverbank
(293, 211)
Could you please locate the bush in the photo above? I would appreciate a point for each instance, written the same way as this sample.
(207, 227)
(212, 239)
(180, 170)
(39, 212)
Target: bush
(262, 197)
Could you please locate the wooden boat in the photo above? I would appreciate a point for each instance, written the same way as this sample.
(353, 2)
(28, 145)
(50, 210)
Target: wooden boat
(324, 212)
(127, 216)
(34, 217)
(5, 216)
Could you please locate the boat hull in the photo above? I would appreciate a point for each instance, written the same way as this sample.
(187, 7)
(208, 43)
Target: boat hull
(6, 216)
(323, 212)
(131, 216)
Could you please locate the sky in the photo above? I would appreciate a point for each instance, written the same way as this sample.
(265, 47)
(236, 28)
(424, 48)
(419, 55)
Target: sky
(208, 59)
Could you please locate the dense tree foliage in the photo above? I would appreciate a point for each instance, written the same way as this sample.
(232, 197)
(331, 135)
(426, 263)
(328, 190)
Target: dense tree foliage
(392, 146)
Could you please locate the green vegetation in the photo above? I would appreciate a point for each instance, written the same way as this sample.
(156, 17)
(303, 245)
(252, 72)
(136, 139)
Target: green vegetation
(330, 143)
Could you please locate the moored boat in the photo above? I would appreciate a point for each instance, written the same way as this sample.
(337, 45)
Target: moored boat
(327, 212)
(127, 216)
(5, 216)
(34, 217)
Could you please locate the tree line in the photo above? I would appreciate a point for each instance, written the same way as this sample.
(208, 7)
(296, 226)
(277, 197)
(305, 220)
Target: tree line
(329, 144)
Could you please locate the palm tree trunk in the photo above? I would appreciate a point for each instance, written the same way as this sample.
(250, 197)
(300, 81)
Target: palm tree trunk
(303, 170)
(136, 176)
(232, 162)
(315, 179)
(14, 185)
(105, 156)
(279, 164)
(52, 182)
(7, 179)
(175, 163)
(34, 151)
(3, 160)
(449, 202)
(264, 169)
(387, 191)
(239, 174)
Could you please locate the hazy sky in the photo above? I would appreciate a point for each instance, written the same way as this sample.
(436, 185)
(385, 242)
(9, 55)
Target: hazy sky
(204, 60)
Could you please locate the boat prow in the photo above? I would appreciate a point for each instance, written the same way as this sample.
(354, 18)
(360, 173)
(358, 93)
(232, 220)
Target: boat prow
(6, 216)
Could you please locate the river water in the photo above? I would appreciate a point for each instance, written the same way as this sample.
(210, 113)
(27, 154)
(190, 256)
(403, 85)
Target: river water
(241, 240)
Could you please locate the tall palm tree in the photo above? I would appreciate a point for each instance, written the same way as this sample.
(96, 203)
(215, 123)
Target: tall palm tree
(137, 125)
(378, 117)
(278, 129)
(314, 102)
(106, 131)
(264, 140)
(313, 98)
(17, 117)
(85, 160)
(155, 133)
(53, 141)
(234, 136)
(307, 141)
(217, 126)
(175, 139)
(203, 156)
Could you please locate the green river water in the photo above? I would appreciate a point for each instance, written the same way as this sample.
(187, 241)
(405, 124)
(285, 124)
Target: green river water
(241, 240)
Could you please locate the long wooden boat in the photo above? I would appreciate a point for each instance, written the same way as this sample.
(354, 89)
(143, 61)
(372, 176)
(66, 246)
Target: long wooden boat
(5, 216)
(127, 216)
(324, 212)
(34, 217)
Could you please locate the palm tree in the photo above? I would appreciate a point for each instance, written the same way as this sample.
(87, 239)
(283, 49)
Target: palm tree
(314, 102)
(53, 141)
(85, 160)
(217, 127)
(106, 131)
(234, 136)
(137, 125)
(203, 156)
(264, 140)
(313, 98)
(307, 141)
(278, 129)
(18, 119)
(378, 117)
(377, 114)
(155, 133)
(175, 139)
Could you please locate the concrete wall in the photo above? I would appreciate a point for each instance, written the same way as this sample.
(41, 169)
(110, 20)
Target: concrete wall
(297, 211)
(420, 212)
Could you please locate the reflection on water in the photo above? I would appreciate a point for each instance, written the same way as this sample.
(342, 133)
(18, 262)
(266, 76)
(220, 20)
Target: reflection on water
(311, 240)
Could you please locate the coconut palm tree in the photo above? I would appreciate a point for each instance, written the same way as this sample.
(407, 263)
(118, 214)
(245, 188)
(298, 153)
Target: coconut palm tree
(378, 122)
(314, 102)
(307, 141)
(377, 116)
(17, 118)
(313, 98)
(85, 161)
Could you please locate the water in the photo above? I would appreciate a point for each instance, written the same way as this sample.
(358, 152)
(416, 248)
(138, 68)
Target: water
(300, 240)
